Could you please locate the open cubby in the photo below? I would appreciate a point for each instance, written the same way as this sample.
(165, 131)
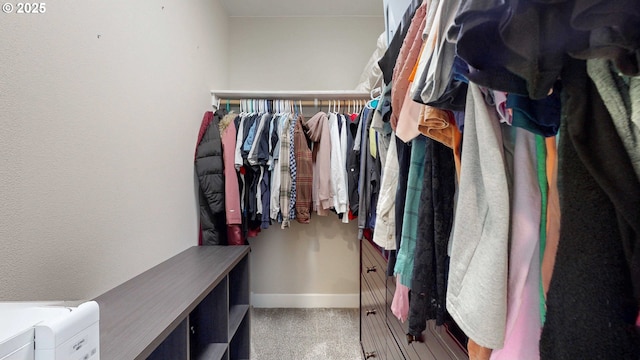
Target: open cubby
(239, 348)
(239, 284)
(172, 347)
(209, 323)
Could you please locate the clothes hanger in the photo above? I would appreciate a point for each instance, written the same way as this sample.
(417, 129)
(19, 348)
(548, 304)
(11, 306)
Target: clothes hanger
(373, 91)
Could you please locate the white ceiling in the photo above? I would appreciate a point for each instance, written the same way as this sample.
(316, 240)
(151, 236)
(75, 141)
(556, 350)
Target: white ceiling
(311, 8)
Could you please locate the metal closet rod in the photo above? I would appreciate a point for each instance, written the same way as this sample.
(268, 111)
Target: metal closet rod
(321, 103)
(309, 97)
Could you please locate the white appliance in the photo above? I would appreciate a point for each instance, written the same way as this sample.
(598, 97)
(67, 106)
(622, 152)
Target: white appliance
(41, 331)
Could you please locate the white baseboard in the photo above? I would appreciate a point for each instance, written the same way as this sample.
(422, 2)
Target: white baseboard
(305, 300)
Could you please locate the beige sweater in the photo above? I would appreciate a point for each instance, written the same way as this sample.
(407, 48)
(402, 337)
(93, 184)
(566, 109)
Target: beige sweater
(317, 128)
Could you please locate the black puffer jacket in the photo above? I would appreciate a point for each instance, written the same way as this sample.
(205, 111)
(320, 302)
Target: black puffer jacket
(209, 169)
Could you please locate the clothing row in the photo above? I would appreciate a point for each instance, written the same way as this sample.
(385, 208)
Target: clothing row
(255, 169)
(511, 183)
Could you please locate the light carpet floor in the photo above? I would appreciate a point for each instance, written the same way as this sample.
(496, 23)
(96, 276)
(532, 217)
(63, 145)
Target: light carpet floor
(305, 334)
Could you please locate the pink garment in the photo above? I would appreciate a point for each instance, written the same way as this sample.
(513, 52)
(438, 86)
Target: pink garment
(231, 188)
(317, 129)
(407, 59)
(409, 119)
(523, 300)
(400, 303)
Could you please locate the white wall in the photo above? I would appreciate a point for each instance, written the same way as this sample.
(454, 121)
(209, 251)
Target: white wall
(100, 106)
(393, 12)
(307, 265)
(315, 265)
(294, 53)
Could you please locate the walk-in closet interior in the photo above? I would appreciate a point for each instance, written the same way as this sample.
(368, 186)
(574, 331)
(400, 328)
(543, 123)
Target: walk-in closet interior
(331, 180)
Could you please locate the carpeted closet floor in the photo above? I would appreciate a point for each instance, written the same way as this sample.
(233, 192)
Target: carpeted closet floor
(305, 334)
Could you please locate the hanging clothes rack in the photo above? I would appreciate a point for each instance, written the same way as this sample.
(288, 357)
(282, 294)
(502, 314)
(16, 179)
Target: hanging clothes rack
(319, 98)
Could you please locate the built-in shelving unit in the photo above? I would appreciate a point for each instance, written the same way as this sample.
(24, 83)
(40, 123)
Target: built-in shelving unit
(193, 306)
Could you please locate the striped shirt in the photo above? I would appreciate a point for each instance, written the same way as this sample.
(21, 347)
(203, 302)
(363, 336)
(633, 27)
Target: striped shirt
(285, 173)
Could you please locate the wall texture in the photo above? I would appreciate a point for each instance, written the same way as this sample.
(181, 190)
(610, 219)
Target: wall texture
(100, 106)
(295, 53)
(315, 265)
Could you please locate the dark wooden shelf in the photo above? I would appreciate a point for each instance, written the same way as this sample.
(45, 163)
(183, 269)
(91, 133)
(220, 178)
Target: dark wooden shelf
(213, 352)
(236, 315)
(137, 316)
